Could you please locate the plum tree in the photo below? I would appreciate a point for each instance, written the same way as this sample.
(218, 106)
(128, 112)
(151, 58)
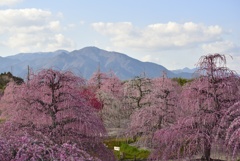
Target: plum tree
(109, 92)
(231, 121)
(111, 95)
(160, 113)
(27, 148)
(136, 92)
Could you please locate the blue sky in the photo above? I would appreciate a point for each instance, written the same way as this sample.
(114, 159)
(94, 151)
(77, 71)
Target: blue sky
(173, 33)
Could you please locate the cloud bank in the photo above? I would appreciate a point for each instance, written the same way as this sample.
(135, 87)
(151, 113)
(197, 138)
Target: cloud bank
(32, 30)
(160, 36)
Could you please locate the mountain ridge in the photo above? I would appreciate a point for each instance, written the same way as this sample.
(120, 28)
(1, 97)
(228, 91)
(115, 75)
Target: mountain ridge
(84, 62)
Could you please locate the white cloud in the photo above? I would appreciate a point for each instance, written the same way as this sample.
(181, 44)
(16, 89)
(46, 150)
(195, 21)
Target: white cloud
(59, 41)
(223, 47)
(150, 58)
(32, 30)
(24, 18)
(233, 63)
(39, 42)
(160, 36)
(147, 58)
(114, 29)
(9, 2)
(54, 26)
(82, 22)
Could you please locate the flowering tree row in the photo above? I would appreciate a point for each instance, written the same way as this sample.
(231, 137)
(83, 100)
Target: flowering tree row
(177, 121)
(59, 116)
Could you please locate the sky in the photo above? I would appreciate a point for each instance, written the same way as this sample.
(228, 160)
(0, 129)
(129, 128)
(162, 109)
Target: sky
(172, 33)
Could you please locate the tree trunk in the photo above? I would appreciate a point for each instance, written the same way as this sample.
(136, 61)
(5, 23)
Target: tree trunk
(207, 151)
(54, 120)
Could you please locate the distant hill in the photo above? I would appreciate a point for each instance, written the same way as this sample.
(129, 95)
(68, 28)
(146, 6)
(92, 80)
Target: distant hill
(184, 70)
(84, 62)
(5, 78)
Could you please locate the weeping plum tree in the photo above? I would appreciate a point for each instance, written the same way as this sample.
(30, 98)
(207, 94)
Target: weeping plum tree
(52, 105)
(98, 79)
(165, 96)
(55, 98)
(136, 92)
(231, 121)
(111, 95)
(28, 148)
(113, 85)
(203, 103)
(160, 113)
(95, 83)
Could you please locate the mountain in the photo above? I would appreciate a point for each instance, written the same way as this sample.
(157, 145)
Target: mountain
(38, 55)
(84, 62)
(184, 70)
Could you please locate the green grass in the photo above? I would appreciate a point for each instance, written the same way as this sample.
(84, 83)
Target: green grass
(129, 152)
